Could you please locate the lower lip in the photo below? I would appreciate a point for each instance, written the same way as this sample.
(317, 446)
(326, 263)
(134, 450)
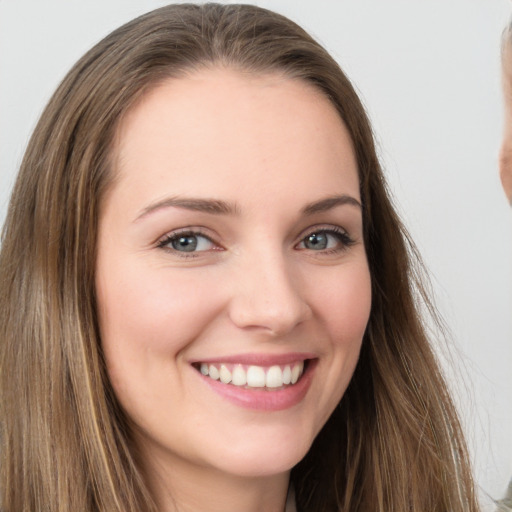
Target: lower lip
(263, 400)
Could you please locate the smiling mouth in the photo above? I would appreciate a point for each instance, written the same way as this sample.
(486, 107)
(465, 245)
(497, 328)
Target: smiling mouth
(271, 378)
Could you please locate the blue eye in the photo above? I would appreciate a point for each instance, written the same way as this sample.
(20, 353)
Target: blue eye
(325, 240)
(318, 241)
(187, 242)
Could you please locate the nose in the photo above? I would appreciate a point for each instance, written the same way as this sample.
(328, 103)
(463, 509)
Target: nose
(268, 297)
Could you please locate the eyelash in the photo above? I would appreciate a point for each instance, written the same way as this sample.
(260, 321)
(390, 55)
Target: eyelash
(340, 234)
(344, 239)
(165, 242)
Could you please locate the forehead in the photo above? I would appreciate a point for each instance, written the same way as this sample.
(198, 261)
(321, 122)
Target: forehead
(222, 93)
(219, 124)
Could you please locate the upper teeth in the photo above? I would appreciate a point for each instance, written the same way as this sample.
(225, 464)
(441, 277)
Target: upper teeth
(254, 376)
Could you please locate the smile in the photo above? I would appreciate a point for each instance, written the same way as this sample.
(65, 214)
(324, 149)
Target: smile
(259, 382)
(252, 376)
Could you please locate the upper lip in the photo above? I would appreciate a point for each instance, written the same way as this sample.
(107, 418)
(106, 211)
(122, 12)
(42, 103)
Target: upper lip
(258, 359)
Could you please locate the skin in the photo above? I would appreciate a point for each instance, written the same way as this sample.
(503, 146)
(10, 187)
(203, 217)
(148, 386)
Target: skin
(267, 146)
(506, 146)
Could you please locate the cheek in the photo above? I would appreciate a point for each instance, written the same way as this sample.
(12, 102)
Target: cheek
(148, 317)
(342, 304)
(345, 304)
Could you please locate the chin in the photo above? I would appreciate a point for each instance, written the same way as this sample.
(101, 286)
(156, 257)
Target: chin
(272, 456)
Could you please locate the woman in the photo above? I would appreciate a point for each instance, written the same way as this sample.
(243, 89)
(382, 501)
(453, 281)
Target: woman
(210, 303)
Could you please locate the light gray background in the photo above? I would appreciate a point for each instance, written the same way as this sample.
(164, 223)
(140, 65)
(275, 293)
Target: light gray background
(429, 75)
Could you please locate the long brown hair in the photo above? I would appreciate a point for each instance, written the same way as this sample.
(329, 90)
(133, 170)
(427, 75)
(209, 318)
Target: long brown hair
(393, 443)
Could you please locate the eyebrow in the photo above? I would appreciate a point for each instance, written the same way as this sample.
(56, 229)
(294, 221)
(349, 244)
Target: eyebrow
(219, 207)
(213, 206)
(329, 203)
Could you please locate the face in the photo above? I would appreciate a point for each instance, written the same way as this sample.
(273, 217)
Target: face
(506, 147)
(233, 286)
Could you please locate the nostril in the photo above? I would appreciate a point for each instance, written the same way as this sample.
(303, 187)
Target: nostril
(275, 316)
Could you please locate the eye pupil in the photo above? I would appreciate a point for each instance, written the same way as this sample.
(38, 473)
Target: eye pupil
(317, 241)
(186, 243)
